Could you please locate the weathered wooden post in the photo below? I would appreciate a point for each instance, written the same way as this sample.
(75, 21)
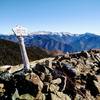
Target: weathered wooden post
(20, 31)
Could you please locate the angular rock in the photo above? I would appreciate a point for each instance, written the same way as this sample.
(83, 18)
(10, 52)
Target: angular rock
(56, 81)
(35, 80)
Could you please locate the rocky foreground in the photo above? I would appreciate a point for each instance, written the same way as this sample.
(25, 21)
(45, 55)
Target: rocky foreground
(70, 77)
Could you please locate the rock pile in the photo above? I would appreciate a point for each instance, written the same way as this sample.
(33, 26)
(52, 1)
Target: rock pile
(69, 77)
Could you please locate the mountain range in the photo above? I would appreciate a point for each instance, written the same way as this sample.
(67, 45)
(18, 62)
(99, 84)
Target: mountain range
(62, 41)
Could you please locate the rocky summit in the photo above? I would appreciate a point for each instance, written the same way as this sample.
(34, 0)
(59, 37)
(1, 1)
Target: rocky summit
(73, 76)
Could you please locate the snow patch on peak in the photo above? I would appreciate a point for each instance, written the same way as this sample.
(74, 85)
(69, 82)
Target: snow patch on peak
(40, 33)
(52, 33)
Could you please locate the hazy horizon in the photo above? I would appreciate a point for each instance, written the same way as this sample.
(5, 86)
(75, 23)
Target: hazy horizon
(73, 16)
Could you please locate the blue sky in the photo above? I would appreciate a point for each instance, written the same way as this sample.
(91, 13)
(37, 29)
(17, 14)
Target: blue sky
(75, 16)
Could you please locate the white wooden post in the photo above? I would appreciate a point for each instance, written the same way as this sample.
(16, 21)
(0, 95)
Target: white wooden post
(19, 31)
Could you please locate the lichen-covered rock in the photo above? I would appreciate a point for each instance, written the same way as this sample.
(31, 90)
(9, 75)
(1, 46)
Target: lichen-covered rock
(59, 96)
(26, 97)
